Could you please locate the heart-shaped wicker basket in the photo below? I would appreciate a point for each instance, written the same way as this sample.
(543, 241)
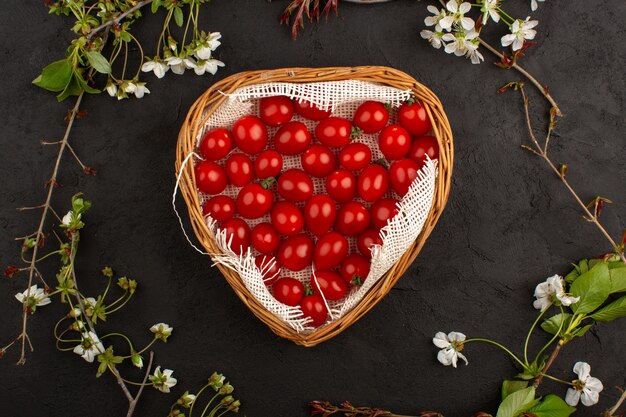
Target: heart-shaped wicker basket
(217, 94)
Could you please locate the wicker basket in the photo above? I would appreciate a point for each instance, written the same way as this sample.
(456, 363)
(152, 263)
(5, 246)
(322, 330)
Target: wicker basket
(213, 97)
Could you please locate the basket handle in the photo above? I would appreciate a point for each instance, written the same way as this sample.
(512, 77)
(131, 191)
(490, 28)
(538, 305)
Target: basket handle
(180, 220)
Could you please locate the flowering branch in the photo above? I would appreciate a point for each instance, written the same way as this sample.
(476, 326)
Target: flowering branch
(118, 19)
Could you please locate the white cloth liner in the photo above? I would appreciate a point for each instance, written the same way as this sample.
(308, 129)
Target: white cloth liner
(343, 97)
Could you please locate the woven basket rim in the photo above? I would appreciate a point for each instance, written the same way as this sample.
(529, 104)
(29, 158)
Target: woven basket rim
(215, 95)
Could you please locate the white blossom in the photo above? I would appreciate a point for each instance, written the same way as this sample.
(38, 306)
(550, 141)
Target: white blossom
(112, 89)
(179, 65)
(209, 66)
(158, 66)
(552, 291)
(33, 297)
(490, 9)
(162, 331)
(459, 43)
(451, 346)
(474, 55)
(67, 219)
(586, 388)
(89, 347)
(186, 400)
(534, 5)
(457, 15)
(521, 30)
(434, 20)
(208, 45)
(434, 38)
(163, 381)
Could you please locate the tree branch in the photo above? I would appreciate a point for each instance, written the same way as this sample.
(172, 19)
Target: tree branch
(117, 19)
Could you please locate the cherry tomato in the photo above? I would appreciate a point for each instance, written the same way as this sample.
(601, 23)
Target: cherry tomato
(216, 144)
(341, 185)
(292, 138)
(318, 161)
(413, 117)
(355, 269)
(239, 169)
(265, 238)
(373, 183)
(254, 201)
(220, 207)
(295, 185)
(313, 307)
(394, 142)
(288, 291)
(334, 132)
(268, 164)
(352, 219)
(269, 267)
(287, 218)
(355, 156)
(371, 116)
(422, 146)
(275, 111)
(365, 240)
(210, 177)
(329, 284)
(239, 231)
(319, 214)
(401, 175)
(295, 252)
(382, 211)
(310, 111)
(330, 250)
(250, 134)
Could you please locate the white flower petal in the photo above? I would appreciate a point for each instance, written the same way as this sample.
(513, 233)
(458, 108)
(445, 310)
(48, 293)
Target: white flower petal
(572, 397)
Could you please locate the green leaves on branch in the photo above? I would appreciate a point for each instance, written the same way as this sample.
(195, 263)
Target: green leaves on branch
(593, 287)
(614, 310)
(55, 77)
(509, 387)
(519, 399)
(517, 402)
(67, 80)
(551, 406)
(98, 62)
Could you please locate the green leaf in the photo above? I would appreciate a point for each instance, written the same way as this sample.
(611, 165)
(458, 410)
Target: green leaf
(72, 88)
(517, 403)
(83, 84)
(579, 332)
(615, 310)
(178, 16)
(55, 77)
(552, 324)
(618, 279)
(552, 406)
(583, 266)
(98, 62)
(155, 5)
(593, 288)
(509, 387)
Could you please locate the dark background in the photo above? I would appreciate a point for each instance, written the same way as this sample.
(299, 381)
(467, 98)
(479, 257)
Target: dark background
(508, 225)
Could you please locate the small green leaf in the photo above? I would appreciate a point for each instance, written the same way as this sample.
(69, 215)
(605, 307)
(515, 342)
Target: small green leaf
(178, 16)
(579, 332)
(509, 387)
(516, 403)
(155, 5)
(83, 84)
(72, 88)
(55, 77)
(593, 288)
(583, 266)
(615, 310)
(618, 279)
(552, 406)
(98, 62)
(552, 324)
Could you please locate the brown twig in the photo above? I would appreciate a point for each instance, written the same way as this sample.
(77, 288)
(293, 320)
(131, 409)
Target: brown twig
(117, 19)
(553, 356)
(133, 403)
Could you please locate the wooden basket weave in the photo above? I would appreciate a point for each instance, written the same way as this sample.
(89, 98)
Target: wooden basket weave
(213, 98)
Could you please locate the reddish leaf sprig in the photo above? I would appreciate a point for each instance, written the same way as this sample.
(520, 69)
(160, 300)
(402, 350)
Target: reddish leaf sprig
(309, 8)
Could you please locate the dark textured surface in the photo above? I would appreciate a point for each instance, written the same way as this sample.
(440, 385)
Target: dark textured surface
(508, 225)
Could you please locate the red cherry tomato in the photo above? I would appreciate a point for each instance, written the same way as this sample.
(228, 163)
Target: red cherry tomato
(394, 142)
(288, 291)
(268, 164)
(275, 111)
(334, 132)
(401, 175)
(352, 219)
(265, 238)
(309, 111)
(239, 169)
(216, 144)
(210, 177)
(292, 138)
(355, 269)
(318, 161)
(287, 218)
(295, 252)
(319, 214)
(373, 183)
(422, 146)
(330, 250)
(382, 211)
(371, 116)
(220, 207)
(250, 134)
(365, 240)
(254, 201)
(313, 307)
(341, 185)
(413, 118)
(329, 284)
(295, 185)
(239, 231)
(269, 267)
(355, 156)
